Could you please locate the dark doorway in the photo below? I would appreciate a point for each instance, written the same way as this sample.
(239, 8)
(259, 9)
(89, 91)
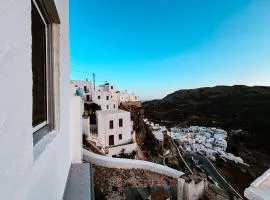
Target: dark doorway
(111, 140)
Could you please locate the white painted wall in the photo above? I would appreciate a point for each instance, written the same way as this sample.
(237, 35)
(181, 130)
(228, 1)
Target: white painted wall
(100, 98)
(81, 84)
(86, 126)
(121, 163)
(104, 131)
(22, 177)
(76, 129)
(260, 188)
(190, 191)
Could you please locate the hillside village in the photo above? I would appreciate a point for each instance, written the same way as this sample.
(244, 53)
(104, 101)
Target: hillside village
(106, 126)
(61, 144)
(108, 129)
(209, 141)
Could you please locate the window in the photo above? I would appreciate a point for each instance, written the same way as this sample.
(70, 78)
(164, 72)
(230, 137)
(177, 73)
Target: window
(98, 97)
(111, 87)
(113, 105)
(120, 136)
(85, 88)
(111, 124)
(107, 107)
(88, 97)
(107, 97)
(45, 45)
(121, 122)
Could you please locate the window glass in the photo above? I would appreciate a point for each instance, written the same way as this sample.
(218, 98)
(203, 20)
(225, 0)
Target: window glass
(111, 124)
(39, 90)
(121, 122)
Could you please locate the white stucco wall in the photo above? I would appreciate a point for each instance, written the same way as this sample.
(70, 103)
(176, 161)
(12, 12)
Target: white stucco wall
(259, 189)
(86, 126)
(190, 191)
(100, 98)
(22, 177)
(104, 131)
(75, 129)
(81, 84)
(122, 163)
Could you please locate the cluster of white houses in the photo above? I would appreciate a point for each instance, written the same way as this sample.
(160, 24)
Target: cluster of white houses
(110, 127)
(106, 95)
(209, 141)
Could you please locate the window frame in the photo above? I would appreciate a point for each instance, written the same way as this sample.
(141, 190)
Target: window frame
(120, 137)
(46, 122)
(48, 13)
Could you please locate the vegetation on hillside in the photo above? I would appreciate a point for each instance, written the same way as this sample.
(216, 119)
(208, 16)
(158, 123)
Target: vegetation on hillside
(228, 107)
(144, 136)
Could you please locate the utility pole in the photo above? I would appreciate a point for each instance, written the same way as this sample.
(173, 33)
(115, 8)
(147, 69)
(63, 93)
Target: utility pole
(94, 81)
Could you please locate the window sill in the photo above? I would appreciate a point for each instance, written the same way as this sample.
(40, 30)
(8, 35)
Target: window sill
(43, 144)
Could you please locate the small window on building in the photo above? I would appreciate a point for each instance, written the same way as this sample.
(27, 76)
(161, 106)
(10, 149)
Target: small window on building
(88, 97)
(98, 97)
(107, 97)
(111, 124)
(76, 85)
(113, 105)
(85, 89)
(111, 87)
(120, 122)
(107, 107)
(120, 136)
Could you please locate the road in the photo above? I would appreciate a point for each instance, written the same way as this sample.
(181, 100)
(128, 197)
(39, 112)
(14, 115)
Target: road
(210, 169)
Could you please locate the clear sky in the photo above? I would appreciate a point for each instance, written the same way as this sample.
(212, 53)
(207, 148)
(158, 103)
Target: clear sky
(154, 47)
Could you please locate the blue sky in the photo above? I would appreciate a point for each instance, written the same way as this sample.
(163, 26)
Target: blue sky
(154, 47)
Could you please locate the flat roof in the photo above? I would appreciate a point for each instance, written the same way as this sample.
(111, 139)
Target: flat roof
(111, 111)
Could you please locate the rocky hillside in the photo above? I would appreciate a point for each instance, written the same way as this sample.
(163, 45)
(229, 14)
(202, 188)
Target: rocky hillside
(144, 136)
(228, 107)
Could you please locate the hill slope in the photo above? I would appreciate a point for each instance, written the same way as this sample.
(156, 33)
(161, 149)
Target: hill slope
(229, 107)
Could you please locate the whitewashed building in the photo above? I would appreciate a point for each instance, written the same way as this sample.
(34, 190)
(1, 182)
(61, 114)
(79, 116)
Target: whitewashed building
(40, 137)
(106, 95)
(86, 86)
(114, 127)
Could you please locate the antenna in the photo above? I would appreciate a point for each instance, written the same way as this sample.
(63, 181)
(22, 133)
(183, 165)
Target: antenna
(94, 81)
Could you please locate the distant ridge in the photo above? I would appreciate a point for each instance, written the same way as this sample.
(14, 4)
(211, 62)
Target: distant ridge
(229, 107)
